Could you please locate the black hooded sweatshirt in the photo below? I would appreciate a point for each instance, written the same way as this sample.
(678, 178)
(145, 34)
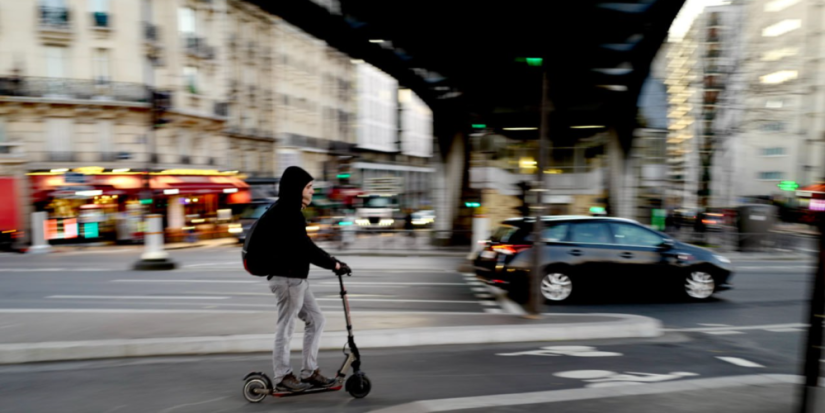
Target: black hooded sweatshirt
(284, 230)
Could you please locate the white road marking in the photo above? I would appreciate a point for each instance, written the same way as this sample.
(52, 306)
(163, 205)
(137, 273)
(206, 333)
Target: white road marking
(191, 281)
(741, 362)
(555, 396)
(390, 284)
(493, 310)
(137, 297)
(480, 289)
(714, 325)
(574, 351)
(723, 333)
(738, 328)
(784, 330)
(488, 303)
(484, 296)
(119, 311)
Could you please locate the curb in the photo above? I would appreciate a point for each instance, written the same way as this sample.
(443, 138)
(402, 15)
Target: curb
(366, 253)
(626, 326)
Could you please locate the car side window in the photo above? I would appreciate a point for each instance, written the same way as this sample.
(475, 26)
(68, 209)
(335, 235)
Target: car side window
(591, 233)
(627, 234)
(555, 233)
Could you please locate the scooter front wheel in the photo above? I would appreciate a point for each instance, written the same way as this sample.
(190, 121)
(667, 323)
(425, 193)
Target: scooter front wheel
(255, 389)
(358, 386)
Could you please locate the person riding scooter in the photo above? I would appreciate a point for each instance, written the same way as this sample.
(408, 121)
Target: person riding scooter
(286, 236)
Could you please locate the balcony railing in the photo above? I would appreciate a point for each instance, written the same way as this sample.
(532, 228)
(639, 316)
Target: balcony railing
(197, 46)
(60, 88)
(54, 18)
(221, 109)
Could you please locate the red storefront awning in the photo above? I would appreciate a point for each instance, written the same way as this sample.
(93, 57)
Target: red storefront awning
(815, 188)
(46, 186)
(198, 184)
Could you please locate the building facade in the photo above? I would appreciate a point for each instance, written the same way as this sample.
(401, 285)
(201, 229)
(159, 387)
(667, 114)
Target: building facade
(247, 94)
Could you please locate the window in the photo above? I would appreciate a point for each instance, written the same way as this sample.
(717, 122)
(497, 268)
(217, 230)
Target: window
(779, 5)
(56, 62)
(59, 135)
(770, 176)
(106, 138)
(781, 28)
(773, 151)
(190, 77)
(590, 233)
(774, 104)
(781, 76)
(627, 234)
(503, 233)
(100, 65)
(779, 54)
(99, 6)
(186, 21)
(557, 232)
(777, 126)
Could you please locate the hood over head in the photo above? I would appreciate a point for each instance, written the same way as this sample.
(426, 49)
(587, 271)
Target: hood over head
(291, 187)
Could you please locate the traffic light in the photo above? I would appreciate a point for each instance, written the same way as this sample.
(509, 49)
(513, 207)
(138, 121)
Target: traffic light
(524, 208)
(161, 103)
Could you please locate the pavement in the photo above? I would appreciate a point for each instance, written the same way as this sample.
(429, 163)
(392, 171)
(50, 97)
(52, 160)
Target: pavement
(36, 336)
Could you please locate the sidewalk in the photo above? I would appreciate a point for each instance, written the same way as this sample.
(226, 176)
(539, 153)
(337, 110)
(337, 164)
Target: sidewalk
(766, 393)
(50, 335)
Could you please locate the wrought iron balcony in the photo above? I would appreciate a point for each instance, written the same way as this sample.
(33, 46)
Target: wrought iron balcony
(55, 18)
(222, 109)
(197, 47)
(61, 88)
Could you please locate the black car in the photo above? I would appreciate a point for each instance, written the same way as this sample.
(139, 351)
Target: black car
(602, 255)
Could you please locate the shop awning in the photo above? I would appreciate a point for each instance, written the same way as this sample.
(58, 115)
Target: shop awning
(173, 185)
(808, 191)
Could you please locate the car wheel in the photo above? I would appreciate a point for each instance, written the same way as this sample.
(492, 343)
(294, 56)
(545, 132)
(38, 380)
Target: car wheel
(556, 286)
(699, 284)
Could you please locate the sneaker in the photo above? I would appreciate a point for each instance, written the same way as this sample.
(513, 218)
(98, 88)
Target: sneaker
(290, 383)
(318, 380)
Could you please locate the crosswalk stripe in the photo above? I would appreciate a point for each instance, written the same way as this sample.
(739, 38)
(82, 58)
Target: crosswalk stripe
(741, 362)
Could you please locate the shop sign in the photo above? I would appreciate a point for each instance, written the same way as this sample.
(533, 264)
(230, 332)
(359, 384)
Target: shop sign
(74, 178)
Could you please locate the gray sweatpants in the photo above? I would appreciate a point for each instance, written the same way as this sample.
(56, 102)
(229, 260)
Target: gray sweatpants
(294, 298)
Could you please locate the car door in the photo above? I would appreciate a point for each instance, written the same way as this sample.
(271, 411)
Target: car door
(590, 251)
(638, 256)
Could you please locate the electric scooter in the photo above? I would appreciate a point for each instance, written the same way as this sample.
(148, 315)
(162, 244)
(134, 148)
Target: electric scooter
(257, 385)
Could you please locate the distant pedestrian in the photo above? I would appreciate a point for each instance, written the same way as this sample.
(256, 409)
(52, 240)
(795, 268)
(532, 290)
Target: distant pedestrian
(408, 226)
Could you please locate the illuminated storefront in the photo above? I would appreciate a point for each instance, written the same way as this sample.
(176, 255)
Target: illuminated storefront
(102, 204)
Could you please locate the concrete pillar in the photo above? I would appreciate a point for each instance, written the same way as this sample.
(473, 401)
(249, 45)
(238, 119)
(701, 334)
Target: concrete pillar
(481, 232)
(38, 234)
(621, 180)
(154, 257)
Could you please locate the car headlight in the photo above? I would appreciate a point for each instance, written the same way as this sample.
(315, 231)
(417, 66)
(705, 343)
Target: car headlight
(722, 259)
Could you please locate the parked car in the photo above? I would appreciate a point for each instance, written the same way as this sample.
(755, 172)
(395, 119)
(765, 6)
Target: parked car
(599, 254)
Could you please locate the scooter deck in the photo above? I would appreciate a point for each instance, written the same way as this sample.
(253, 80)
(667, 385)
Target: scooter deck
(276, 393)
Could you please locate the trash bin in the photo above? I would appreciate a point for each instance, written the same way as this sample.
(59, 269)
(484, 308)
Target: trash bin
(754, 223)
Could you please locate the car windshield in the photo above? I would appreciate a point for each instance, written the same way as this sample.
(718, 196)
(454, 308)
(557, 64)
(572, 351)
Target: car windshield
(378, 202)
(254, 211)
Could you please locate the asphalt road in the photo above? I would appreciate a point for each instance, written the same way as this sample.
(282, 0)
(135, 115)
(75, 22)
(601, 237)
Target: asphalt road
(214, 384)
(760, 322)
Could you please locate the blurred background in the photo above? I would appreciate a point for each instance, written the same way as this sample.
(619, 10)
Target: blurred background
(433, 130)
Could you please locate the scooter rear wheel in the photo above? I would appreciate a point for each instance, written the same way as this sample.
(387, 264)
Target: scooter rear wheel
(358, 386)
(249, 389)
